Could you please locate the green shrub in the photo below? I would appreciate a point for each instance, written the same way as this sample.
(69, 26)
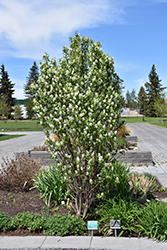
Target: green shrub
(126, 212)
(28, 220)
(116, 183)
(153, 220)
(5, 221)
(64, 224)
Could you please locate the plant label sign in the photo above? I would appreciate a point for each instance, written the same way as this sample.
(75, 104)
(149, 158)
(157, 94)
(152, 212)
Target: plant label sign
(92, 225)
(115, 224)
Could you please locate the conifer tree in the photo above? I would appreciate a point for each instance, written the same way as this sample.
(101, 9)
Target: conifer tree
(142, 100)
(133, 99)
(6, 90)
(32, 78)
(128, 100)
(153, 89)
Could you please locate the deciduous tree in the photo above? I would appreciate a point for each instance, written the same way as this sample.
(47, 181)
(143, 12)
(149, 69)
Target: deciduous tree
(17, 113)
(4, 110)
(78, 99)
(160, 106)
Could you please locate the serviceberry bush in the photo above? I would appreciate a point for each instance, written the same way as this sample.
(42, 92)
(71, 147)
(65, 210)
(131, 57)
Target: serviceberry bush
(78, 99)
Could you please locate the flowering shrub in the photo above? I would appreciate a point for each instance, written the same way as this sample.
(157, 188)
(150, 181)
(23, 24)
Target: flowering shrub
(78, 100)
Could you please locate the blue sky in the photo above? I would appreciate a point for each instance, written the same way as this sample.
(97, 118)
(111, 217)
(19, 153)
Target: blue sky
(131, 31)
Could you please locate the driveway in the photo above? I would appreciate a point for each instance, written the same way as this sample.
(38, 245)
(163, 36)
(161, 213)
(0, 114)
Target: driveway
(20, 144)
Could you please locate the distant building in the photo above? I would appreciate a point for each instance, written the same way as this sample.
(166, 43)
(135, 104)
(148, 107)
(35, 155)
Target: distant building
(127, 112)
(22, 105)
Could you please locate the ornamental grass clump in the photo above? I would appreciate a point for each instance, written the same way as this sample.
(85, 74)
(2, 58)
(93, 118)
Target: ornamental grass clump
(78, 100)
(143, 185)
(17, 173)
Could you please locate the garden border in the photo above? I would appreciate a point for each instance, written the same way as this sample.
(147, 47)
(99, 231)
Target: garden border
(143, 156)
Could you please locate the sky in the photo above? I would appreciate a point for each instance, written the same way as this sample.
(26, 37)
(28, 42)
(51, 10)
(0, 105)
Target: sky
(134, 32)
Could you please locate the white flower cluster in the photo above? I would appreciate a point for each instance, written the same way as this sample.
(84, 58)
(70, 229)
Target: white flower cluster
(79, 100)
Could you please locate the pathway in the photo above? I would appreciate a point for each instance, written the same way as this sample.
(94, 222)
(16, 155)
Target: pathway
(155, 139)
(20, 144)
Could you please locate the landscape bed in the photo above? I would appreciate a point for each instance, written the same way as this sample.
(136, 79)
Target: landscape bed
(23, 210)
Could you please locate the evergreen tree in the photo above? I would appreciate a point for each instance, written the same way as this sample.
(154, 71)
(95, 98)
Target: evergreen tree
(6, 90)
(122, 102)
(133, 99)
(142, 100)
(128, 100)
(32, 78)
(153, 89)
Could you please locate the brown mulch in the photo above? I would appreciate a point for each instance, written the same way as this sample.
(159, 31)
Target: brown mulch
(14, 202)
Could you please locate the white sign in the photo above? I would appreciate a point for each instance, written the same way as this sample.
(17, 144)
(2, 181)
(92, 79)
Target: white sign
(115, 224)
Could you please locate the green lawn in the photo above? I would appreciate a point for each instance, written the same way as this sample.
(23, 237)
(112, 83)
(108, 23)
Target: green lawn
(31, 125)
(7, 137)
(150, 120)
(27, 125)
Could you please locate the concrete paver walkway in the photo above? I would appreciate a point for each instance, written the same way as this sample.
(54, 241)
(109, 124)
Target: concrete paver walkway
(20, 144)
(78, 242)
(155, 139)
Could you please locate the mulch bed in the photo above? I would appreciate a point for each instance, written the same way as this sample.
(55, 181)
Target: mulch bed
(14, 202)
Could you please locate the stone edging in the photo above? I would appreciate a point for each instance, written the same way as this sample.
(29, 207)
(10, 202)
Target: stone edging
(143, 156)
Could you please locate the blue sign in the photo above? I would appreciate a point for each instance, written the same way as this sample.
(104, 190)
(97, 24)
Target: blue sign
(92, 225)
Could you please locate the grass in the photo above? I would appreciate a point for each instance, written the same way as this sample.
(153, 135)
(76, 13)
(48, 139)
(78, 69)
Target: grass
(151, 120)
(7, 137)
(33, 125)
(26, 125)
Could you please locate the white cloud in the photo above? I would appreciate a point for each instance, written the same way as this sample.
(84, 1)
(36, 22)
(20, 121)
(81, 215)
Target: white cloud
(18, 87)
(19, 93)
(30, 27)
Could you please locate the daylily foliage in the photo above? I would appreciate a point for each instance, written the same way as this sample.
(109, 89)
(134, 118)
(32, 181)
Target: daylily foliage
(78, 100)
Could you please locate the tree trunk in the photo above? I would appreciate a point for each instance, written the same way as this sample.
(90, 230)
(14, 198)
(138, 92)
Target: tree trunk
(162, 117)
(5, 125)
(16, 124)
